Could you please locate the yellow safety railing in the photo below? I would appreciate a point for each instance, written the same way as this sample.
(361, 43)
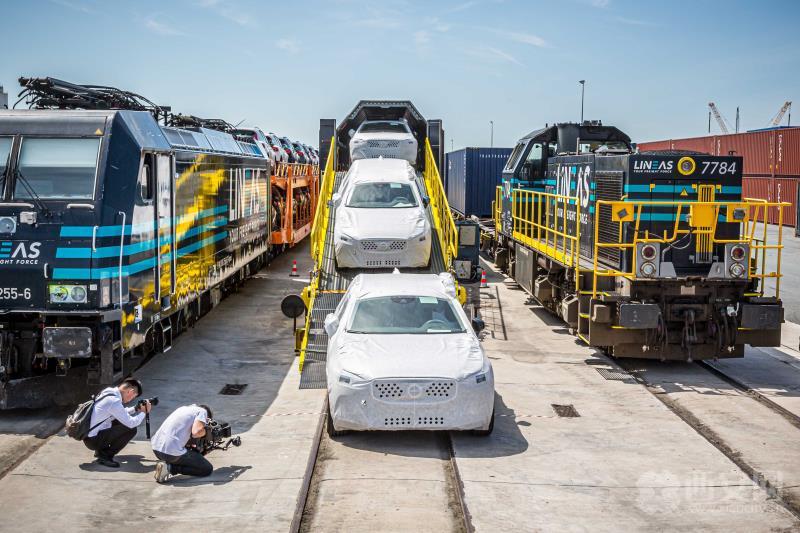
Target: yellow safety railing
(320, 226)
(700, 218)
(544, 222)
(442, 216)
(497, 208)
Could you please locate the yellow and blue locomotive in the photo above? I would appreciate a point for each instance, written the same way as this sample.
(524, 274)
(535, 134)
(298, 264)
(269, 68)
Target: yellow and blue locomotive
(653, 255)
(116, 232)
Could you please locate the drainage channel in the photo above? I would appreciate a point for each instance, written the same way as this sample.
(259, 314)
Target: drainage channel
(628, 368)
(368, 480)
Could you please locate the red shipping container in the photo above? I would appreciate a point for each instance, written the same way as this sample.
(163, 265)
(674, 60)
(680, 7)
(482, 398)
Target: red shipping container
(787, 152)
(655, 145)
(755, 147)
(785, 190)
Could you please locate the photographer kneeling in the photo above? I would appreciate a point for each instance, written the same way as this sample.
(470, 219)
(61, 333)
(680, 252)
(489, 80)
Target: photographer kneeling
(171, 440)
(112, 424)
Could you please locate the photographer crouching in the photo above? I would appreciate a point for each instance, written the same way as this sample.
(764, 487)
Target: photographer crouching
(172, 443)
(113, 425)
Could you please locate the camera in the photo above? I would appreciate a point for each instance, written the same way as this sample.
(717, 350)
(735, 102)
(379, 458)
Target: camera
(153, 401)
(216, 433)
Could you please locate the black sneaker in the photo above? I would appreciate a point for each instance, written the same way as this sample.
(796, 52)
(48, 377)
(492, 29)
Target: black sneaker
(110, 463)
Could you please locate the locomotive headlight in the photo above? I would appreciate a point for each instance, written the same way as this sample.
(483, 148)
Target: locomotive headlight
(649, 252)
(59, 293)
(738, 253)
(686, 166)
(648, 269)
(736, 270)
(78, 293)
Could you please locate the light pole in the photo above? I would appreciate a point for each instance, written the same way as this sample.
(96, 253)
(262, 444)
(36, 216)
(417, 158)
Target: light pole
(451, 144)
(491, 135)
(583, 86)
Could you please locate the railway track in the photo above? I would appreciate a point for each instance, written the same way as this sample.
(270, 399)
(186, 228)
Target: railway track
(780, 489)
(440, 495)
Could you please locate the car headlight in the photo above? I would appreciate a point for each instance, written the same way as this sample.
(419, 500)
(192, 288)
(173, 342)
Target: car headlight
(61, 294)
(344, 237)
(349, 378)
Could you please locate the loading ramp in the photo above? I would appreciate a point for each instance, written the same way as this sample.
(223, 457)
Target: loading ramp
(329, 283)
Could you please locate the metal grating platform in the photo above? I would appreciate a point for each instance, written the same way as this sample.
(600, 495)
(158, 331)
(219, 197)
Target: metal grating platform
(313, 376)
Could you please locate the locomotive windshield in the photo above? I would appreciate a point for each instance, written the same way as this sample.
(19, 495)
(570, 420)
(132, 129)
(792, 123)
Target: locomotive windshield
(57, 168)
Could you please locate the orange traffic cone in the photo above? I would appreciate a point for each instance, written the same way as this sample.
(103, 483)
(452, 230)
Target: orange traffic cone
(483, 279)
(293, 273)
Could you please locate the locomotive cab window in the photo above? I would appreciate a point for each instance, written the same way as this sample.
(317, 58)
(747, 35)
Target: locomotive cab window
(532, 168)
(146, 174)
(57, 168)
(5, 152)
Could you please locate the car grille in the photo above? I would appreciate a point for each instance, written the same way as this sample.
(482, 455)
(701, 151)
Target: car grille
(403, 391)
(383, 144)
(383, 246)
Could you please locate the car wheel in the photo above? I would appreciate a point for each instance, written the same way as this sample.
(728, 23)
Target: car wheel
(329, 426)
(484, 432)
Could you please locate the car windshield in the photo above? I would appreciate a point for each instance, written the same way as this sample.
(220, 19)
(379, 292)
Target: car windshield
(381, 195)
(57, 168)
(389, 127)
(405, 314)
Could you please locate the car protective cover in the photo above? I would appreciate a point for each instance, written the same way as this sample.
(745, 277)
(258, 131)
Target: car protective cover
(382, 223)
(426, 360)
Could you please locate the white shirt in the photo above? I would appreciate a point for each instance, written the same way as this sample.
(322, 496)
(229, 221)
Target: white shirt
(174, 433)
(110, 408)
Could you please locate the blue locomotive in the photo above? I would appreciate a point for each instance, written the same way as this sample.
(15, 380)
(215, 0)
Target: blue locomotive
(116, 232)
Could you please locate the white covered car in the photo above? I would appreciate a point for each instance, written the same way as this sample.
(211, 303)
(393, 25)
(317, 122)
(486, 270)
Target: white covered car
(383, 138)
(381, 219)
(402, 355)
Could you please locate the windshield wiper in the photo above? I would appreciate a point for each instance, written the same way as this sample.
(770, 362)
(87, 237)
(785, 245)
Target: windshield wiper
(35, 197)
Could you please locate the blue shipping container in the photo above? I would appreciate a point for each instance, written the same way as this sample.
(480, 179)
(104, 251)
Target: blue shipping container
(471, 176)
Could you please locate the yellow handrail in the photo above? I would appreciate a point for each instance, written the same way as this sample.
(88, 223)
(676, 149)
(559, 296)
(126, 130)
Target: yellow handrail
(442, 216)
(541, 221)
(320, 226)
(707, 215)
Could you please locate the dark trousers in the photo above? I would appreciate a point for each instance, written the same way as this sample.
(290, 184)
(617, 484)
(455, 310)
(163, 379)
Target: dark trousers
(192, 463)
(109, 442)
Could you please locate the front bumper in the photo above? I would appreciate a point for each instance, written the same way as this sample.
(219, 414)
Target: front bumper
(412, 404)
(383, 253)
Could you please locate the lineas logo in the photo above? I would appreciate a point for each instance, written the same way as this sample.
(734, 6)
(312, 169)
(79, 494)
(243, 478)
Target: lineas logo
(20, 250)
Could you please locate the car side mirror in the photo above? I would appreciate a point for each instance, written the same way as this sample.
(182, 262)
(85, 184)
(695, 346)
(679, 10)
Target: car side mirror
(336, 199)
(426, 201)
(331, 324)
(351, 132)
(478, 325)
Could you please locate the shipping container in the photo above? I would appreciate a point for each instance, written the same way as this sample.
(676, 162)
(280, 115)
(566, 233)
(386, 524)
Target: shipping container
(471, 177)
(783, 189)
(768, 152)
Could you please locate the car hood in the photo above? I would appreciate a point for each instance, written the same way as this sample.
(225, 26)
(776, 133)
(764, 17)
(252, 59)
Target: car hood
(383, 136)
(388, 223)
(452, 355)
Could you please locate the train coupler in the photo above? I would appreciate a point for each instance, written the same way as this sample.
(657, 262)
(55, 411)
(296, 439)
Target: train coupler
(689, 333)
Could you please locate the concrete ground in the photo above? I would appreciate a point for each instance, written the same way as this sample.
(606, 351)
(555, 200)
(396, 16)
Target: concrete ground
(254, 488)
(625, 463)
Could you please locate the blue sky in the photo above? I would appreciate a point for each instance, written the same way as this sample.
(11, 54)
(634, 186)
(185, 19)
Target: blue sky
(651, 67)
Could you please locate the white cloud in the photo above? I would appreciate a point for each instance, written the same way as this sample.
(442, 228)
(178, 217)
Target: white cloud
(162, 28)
(493, 54)
(463, 6)
(76, 6)
(599, 3)
(633, 22)
(437, 24)
(227, 10)
(526, 38)
(289, 45)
